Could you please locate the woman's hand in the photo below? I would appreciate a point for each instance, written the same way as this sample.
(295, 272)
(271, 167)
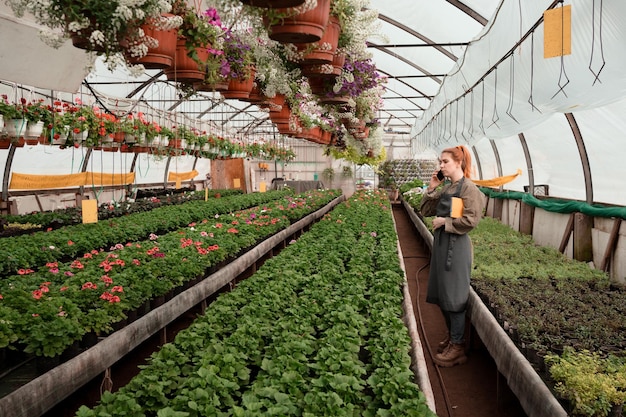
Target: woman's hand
(439, 222)
(434, 182)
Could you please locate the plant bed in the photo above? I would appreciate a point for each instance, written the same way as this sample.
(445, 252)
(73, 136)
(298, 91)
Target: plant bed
(33, 251)
(547, 305)
(51, 220)
(47, 310)
(317, 330)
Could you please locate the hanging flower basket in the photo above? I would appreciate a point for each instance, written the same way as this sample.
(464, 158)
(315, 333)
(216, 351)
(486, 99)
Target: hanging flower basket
(324, 50)
(33, 130)
(118, 137)
(240, 88)
(15, 127)
(5, 142)
(81, 39)
(185, 69)
(304, 27)
(279, 109)
(162, 56)
(211, 87)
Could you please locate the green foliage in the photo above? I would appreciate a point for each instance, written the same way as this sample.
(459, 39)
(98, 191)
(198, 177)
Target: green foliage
(591, 382)
(315, 331)
(417, 183)
(47, 310)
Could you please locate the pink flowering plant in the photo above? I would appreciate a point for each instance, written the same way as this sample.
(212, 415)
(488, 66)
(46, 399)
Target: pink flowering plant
(92, 292)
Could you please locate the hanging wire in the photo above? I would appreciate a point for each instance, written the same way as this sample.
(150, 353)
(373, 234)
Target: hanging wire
(93, 185)
(532, 72)
(481, 125)
(456, 119)
(509, 109)
(495, 117)
(593, 41)
(464, 114)
(470, 128)
(562, 73)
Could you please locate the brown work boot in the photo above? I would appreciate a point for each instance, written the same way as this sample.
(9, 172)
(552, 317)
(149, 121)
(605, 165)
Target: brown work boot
(443, 344)
(453, 355)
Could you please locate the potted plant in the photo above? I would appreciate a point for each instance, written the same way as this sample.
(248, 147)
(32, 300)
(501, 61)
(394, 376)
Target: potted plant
(111, 29)
(239, 55)
(196, 35)
(80, 122)
(134, 127)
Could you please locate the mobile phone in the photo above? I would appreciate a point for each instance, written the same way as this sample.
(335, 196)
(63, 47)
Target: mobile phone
(440, 175)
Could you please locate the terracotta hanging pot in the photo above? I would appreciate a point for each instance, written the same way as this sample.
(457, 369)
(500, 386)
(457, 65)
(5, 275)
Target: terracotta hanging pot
(163, 55)
(326, 137)
(313, 134)
(239, 88)
(274, 4)
(255, 96)
(304, 27)
(185, 69)
(279, 109)
(323, 51)
(211, 87)
(334, 100)
(338, 60)
(5, 142)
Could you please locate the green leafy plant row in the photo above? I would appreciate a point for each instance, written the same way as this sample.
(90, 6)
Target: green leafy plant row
(35, 250)
(317, 331)
(47, 310)
(73, 215)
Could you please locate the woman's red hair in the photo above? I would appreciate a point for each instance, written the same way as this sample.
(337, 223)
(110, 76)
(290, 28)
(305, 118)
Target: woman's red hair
(461, 154)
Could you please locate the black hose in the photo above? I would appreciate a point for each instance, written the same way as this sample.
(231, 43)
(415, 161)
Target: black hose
(446, 399)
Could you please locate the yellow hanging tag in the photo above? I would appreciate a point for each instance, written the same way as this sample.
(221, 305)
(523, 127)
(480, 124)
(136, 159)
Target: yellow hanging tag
(557, 32)
(90, 211)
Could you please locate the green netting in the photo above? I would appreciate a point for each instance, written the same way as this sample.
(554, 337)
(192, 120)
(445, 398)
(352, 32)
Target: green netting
(558, 206)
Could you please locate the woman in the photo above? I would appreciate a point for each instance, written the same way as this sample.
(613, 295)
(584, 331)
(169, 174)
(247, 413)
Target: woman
(451, 257)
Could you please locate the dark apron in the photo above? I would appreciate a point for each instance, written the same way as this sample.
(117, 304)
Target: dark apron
(443, 210)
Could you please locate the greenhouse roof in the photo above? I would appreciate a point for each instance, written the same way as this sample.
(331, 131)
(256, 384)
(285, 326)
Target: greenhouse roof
(459, 72)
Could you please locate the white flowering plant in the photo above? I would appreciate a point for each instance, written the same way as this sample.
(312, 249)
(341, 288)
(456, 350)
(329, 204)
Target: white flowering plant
(108, 28)
(274, 73)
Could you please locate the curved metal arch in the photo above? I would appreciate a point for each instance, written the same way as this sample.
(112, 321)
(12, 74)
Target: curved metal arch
(584, 157)
(469, 11)
(418, 35)
(411, 87)
(406, 61)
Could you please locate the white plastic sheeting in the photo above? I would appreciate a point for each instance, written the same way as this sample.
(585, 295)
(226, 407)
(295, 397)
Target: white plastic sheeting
(486, 97)
(27, 60)
(495, 92)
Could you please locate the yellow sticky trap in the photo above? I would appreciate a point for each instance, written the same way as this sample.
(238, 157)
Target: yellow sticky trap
(236, 183)
(557, 32)
(90, 211)
(206, 194)
(262, 186)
